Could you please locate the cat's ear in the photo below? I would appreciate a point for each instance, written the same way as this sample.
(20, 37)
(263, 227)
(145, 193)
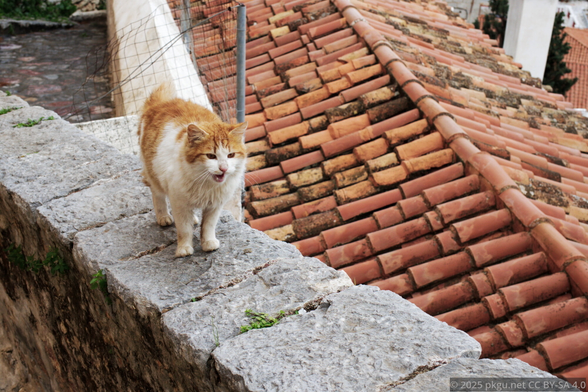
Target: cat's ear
(196, 134)
(240, 129)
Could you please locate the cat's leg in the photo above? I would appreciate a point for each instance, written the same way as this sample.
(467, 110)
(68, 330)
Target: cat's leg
(184, 217)
(160, 206)
(207, 231)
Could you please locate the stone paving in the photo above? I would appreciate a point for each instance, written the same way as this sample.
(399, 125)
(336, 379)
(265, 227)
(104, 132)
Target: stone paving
(57, 69)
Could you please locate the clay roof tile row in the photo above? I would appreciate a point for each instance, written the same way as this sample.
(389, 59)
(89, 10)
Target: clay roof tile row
(393, 141)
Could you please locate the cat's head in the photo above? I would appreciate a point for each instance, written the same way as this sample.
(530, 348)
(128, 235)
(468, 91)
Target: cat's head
(217, 150)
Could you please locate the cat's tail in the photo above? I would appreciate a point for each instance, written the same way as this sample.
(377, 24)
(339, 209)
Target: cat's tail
(161, 94)
(164, 92)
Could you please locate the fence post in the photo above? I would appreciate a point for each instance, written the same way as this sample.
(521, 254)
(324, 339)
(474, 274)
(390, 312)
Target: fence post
(234, 205)
(241, 37)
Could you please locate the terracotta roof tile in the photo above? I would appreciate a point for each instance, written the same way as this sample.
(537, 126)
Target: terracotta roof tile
(408, 150)
(549, 318)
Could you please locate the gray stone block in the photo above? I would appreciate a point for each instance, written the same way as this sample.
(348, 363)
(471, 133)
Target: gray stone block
(121, 240)
(438, 380)
(10, 119)
(8, 102)
(58, 169)
(153, 280)
(19, 142)
(45, 162)
(197, 327)
(360, 339)
(104, 201)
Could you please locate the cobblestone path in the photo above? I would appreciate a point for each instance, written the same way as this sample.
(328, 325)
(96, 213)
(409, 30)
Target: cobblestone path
(49, 69)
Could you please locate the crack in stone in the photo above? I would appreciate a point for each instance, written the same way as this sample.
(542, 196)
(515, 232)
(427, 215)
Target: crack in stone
(418, 371)
(99, 181)
(235, 280)
(121, 216)
(230, 283)
(308, 306)
(152, 251)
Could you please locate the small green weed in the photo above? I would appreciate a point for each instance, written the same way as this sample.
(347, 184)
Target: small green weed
(55, 262)
(8, 93)
(261, 320)
(7, 110)
(31, 123)
(52, 260)
(99, 282)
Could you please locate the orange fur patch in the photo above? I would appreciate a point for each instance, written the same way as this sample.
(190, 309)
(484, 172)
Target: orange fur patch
(161, 109)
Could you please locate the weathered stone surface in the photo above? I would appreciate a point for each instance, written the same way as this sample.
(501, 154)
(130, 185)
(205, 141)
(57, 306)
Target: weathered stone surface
(12, 101)
(437, 380)
(19, 142)
(57, 170)
(198, 327)
(106, 200)
(121, 240)
(160, 281)
(26, 113)
(357, 340)
(44, 162)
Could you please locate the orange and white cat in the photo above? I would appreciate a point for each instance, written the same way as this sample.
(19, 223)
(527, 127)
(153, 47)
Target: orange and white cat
(195, 159)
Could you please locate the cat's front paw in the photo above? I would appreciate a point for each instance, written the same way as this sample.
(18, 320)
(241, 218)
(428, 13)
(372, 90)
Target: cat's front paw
(210, 245)
(184, 250)
(196, 220)
(165, 220)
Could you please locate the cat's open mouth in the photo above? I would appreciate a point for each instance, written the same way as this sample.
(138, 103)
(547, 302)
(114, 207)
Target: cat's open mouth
(219, 177)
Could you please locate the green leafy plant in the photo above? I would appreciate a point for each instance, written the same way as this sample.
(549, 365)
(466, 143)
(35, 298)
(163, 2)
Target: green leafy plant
(37, 9)
(16, 256)
(53, 260)
(7, 110)
(99, 282)
(8, 93)
(31, 123)
(261, 320)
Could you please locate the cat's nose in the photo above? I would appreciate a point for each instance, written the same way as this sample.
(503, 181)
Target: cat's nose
(223, 168)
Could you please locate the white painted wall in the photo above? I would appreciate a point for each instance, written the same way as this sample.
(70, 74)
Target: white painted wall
(143, 29)
(528, 33)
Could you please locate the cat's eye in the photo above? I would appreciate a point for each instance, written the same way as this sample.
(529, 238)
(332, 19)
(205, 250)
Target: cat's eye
(231, 155)
(210, 156)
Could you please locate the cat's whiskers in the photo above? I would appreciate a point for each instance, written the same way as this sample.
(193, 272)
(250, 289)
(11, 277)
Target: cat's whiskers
(253, 178)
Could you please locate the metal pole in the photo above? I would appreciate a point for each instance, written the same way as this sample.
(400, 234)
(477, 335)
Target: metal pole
(241, 37)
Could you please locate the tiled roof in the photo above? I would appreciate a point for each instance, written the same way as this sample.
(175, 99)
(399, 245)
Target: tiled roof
(577, 61)
(393, 141)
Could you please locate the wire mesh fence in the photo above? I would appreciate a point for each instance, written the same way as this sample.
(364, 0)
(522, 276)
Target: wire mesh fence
(194, 47)
(212, 46)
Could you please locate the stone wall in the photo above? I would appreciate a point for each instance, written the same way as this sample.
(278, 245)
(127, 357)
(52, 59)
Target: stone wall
(168, 324)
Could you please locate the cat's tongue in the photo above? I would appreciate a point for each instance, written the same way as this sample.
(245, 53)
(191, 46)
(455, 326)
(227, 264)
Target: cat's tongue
(219, 177)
